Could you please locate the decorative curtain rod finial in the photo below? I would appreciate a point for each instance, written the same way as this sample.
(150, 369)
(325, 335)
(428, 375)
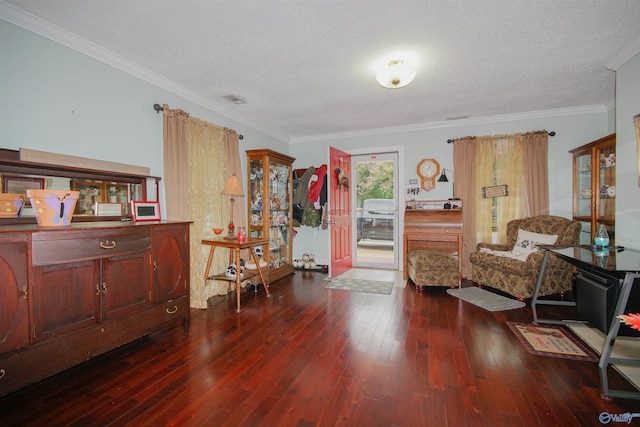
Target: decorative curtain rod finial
(157, 107)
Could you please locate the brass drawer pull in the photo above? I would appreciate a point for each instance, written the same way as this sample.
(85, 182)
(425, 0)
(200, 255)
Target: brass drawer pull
(108, 245)
(174, 311)
(2, 373)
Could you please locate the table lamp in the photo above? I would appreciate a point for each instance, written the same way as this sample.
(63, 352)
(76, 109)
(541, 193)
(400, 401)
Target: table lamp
(234, 190)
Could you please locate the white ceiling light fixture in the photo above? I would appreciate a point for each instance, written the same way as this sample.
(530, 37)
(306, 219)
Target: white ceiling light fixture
(396, 74)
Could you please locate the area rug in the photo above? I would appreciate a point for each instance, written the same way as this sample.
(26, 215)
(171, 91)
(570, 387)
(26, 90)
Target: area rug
(485, 299)
(552, 341)
(360, 285)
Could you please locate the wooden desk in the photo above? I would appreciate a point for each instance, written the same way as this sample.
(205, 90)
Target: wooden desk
(436, 229)
(235, 246)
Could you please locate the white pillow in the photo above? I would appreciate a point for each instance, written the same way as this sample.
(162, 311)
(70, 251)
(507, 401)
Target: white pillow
(527, 241)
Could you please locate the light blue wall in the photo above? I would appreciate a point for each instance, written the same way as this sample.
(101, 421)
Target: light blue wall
(627, 161)
(56, 99)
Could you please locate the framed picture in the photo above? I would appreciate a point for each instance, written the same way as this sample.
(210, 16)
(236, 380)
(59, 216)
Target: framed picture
(143, 210)
(108, 209)
(20, 184)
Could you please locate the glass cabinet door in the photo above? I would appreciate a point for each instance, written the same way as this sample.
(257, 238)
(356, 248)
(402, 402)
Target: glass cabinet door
(279, 214)
(583, 194)
(256, 202)
(607, 182)
(606, 186)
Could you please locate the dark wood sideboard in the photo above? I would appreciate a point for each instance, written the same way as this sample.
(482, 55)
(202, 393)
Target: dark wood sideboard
(71, 293)
(436, 229)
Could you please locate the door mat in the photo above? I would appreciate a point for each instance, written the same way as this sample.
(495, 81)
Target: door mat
(485, 299)
(552, 341)
(361, 285)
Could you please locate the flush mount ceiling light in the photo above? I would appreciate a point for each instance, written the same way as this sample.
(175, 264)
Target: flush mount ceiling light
(395, 75)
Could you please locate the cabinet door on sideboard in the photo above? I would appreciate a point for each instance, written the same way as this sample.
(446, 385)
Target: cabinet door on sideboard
(125, 284)
(65, 297)
(14, 314)
(170, 261)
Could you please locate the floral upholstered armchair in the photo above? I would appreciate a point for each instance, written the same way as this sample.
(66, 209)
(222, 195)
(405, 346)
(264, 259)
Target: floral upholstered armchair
(513, 267)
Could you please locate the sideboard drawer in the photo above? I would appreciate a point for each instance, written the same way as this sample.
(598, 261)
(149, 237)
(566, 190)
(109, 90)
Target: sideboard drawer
(49, 248)
(429, 237)
(435, 230)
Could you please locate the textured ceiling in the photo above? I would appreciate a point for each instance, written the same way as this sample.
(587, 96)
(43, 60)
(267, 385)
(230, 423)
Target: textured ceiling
(307, 67)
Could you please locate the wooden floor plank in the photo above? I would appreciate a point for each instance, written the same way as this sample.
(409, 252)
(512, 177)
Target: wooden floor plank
(309, 356)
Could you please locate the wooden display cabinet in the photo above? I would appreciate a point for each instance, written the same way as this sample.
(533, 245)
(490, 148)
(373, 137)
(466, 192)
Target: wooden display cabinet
(270, 189)
(594, 187)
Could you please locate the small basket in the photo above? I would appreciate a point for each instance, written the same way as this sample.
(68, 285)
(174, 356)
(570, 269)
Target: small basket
(53, 207)
(11, 205)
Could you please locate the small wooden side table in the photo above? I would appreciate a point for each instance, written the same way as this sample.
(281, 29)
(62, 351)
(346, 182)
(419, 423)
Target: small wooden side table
(235, 246)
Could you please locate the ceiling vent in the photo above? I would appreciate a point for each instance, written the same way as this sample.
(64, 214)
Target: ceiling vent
(235, 99)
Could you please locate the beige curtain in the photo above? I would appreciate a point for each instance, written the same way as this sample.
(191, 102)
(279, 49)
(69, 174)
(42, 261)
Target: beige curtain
(464, 173)
(175, 158)
(207, 207)
(198, 158)
(536, 171)
(519, 161)
(508, 169)
(484, 177)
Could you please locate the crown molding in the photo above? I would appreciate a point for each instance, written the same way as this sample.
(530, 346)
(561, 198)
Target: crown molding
(68, 39)
(587, 109)
(628, 51)
(59, 35)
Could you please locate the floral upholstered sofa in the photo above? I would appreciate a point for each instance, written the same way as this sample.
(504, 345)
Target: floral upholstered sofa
(513, 267)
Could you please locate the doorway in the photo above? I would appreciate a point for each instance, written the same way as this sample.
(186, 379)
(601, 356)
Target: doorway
(375, 218)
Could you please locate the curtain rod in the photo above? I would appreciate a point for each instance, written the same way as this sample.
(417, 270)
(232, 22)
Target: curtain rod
(450, 141)
(159, 108)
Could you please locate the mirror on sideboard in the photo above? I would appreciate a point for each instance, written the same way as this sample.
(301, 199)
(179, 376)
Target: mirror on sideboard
(103, 195)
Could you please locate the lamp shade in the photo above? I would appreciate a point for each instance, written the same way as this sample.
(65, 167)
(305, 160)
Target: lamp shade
(443, 177)
(233, 187)
(395, 75)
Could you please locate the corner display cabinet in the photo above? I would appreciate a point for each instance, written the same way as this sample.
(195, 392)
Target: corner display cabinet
(270, 184)
(594, 187)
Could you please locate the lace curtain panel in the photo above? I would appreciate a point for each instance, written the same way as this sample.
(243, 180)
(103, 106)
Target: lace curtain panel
(198, 159)
(487, 161)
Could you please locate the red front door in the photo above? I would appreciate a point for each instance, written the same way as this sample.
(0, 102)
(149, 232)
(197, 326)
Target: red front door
(340, 211)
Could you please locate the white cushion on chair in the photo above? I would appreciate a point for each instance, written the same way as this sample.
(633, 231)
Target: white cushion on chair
(527, 241)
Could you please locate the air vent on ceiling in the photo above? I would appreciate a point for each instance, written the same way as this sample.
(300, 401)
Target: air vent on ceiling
(235, 99)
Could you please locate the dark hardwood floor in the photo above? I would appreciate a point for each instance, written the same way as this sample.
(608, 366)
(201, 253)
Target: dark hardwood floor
(314, 357)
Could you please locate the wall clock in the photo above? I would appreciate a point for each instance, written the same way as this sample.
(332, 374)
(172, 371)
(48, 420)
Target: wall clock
(428, 170)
